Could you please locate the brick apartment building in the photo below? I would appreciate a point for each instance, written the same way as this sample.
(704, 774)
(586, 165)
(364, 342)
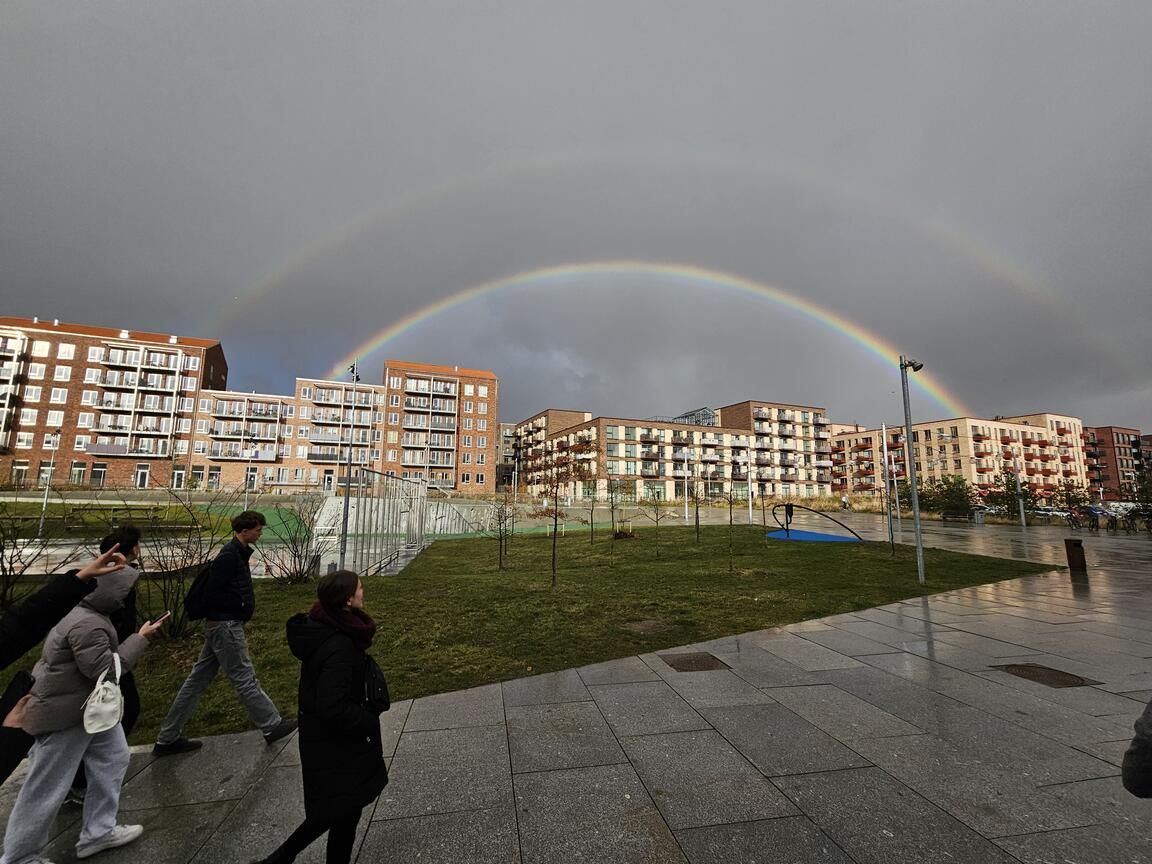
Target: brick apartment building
(1046, 448)
(97, 407)
(774, 448)
(1114, 455)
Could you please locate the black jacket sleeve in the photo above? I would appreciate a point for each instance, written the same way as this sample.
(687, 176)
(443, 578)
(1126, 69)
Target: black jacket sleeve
(340, 693)
(29, 621)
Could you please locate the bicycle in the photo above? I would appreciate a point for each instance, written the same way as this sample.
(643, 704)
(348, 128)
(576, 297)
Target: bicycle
(1130, 525)
(1073, 521)
(1113, 524)
(1093, 522)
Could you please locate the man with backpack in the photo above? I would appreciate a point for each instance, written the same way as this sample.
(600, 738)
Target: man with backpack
(222, 595)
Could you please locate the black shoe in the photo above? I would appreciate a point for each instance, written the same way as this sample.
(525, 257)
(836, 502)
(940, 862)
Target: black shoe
(180, 745)
(281, 729)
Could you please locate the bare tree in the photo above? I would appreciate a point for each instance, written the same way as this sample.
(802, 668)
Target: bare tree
(300, 545)
(561, 464)
(502, 524)
(657, 510)
(27, 548)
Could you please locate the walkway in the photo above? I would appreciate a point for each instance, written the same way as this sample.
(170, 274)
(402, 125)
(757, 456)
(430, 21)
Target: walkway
(885, 736)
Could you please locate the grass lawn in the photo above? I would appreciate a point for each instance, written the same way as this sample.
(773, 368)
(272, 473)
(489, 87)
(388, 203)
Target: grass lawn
(452, 619)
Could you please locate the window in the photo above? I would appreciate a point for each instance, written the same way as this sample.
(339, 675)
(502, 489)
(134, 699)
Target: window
(32, 394)
(65, 351)
(392, 437)
(480, 459)
(198, 447)
(40, 348)
(189, 383)
(201, 427)
(467, 422)
(482, 424)
(184, 424)
(394, 382)
(465, 458)
(468, 391)
(305, 392)
(394, 400)
(479, 478)
(393, 418)
(82, 442)
(95, 354)
(62, 373)
(99, 472)
(205, 406)
(191, 363)
(467, 441)
(288, 431)
(84, 421)
(88, 397)
(465, 478)
(186, 403)
(56, 419)
(482, 441)
(181, 448)
(60, 395)
(467, 405)
(28, 416)
(391, 455)
(482, 408)
(35, 371)
(482, 390)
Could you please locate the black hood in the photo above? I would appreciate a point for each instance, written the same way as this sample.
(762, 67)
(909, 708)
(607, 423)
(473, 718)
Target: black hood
(306, 635)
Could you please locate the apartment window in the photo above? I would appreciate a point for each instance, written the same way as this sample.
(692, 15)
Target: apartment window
(201, 427)
(469, 390)
(84, 421)
(480, 458)
(56, 419)
(465, 458)
(467, 405)
(186, 403)
(65, 351)
(32, 394)
(391, 455)
(394, 382)
(479, 478)
(305, 392)
(36, 371)
(290, 411)
(205, 406)
(467, 441)
(62, 373)
(199, 447)
(302, 453)
(76, 474)
(482, 441)
(82, 442)
(482, 424)
(393, 418)
(59, 395)
(28, 416)
(95, 354)
(191, 363)
(184, 424)
(465, 478)
(189, 383)
(181, 448)
(40, 348)
(612, 431)
(23, 440)
(99, 473)
(88, 397)
(288, 431)
(285, 451)
(394, 400)
(467, 422)
(482, 390)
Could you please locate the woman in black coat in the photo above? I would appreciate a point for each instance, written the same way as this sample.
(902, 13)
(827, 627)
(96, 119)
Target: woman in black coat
(342, 694)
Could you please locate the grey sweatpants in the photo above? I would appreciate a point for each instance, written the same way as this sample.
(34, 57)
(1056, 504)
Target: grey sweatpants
(54, 759)
(224, 648)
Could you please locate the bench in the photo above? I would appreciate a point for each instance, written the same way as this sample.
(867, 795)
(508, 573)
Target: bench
(955, 516)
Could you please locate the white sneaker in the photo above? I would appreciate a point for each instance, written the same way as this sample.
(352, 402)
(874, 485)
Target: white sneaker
(121, 835)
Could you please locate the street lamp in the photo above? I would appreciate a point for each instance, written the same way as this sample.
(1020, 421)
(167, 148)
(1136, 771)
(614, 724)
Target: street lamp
(915, 366)
(48, 481)
(355, 373)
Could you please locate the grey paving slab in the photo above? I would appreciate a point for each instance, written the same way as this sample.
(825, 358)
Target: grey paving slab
(807, 655)
(477, 837)
(591, 814)
(995, 798)
(839, 713)
(563, 686)
(566, 735)
(1092, 844)
(225, 768)
(763, 669)
(698, 778)
(984, 645)
(626, 670)
(1087, 700)
(715, 688)
(954, 656)
(1105, 800)
(790, 840)
(778, 741)
(479, 706)
(172, 835)
(848, 644)
(645, 708)
(877, 820)
(264, 818)
(447, 770)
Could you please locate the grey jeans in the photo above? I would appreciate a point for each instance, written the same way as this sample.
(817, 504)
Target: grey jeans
(224, 648)
(54, 759)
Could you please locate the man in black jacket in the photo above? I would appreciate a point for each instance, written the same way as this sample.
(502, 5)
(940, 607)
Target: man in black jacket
(230, 602)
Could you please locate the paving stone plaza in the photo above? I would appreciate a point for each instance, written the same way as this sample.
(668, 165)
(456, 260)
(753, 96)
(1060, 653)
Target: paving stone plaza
(883, 736)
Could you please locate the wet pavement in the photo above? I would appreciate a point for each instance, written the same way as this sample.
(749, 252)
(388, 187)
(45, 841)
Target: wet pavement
(885, 735)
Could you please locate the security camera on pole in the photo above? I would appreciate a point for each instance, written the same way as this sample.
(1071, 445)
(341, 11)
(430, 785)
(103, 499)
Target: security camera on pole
(915, 366)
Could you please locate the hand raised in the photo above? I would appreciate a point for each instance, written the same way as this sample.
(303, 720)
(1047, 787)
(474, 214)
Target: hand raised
(150, 628)
(109, 562)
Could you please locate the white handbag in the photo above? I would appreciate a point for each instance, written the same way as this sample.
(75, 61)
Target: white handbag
(105, 705)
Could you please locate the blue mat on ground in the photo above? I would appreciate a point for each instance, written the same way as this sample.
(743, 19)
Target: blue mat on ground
(811, 537)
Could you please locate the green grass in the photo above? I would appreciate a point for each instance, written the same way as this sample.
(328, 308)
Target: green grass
(453, 620)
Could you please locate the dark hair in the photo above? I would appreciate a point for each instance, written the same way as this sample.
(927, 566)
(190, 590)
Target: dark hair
(126, 535)
(247, 520)
(336, 589)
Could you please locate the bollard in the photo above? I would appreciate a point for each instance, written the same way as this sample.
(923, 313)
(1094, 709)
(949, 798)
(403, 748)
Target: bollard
(1074, 549)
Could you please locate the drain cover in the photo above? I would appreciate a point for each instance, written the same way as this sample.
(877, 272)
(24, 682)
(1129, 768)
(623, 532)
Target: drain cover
(701, 662)
(1045, 675)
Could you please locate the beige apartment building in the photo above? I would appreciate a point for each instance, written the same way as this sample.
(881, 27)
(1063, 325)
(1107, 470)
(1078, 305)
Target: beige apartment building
(1047, 450)
(772, 448)
(125, 409)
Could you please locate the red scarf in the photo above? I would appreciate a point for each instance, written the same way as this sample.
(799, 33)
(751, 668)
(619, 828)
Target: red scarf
(355, 622)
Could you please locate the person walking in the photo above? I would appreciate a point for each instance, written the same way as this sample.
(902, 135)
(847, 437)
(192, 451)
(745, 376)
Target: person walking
(22, 628)
(77, 651)
(342, 694)
(230, 602)
(126, 538)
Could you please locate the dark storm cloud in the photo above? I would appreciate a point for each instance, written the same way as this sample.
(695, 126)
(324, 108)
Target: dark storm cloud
(967, 181)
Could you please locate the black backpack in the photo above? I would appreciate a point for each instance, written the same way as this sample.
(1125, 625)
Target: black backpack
(196, 600)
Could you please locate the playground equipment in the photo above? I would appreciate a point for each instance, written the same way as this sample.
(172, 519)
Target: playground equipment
(788, 533)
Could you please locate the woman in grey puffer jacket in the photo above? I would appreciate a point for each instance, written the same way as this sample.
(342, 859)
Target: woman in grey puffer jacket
(76, 651)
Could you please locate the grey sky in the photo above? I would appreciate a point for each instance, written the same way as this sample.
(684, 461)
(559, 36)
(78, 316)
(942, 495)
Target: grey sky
(969, 181)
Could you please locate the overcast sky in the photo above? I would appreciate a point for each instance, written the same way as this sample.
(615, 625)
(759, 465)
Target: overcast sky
(969, 181)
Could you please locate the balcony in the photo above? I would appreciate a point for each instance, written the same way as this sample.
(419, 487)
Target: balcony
(1063, 430)
(106, 449)
(130, 359)
(116, 382)
(761, 414)
(241, 454)
(821, 435)
(789, 478)
(823, 478)
(328, 454)
(649, 438)
(786, 445)
(165, 385)
(763, 444)
(787, 431)
(1064, 457)
(862, 473)
(865, 487)
(1068, 472)
(982, 452)
(649, 455)
(1044, 457)
(1005, 439)
(111, 405)
(858, 448)
(146, 429)
(649, 472)
(984, 469)
(820, 420)
(710, 457)
(160, 361)
(823, 463)
(980, 436)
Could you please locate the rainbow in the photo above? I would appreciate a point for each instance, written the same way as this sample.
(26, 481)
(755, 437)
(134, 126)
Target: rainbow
(545, 276)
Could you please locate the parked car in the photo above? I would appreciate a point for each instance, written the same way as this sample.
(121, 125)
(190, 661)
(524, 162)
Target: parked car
(993, 509)
(1049, 512)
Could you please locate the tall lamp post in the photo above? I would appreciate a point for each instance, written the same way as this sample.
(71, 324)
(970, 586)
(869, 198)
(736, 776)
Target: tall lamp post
(354, 369)
(48, 481)
(915, 366)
